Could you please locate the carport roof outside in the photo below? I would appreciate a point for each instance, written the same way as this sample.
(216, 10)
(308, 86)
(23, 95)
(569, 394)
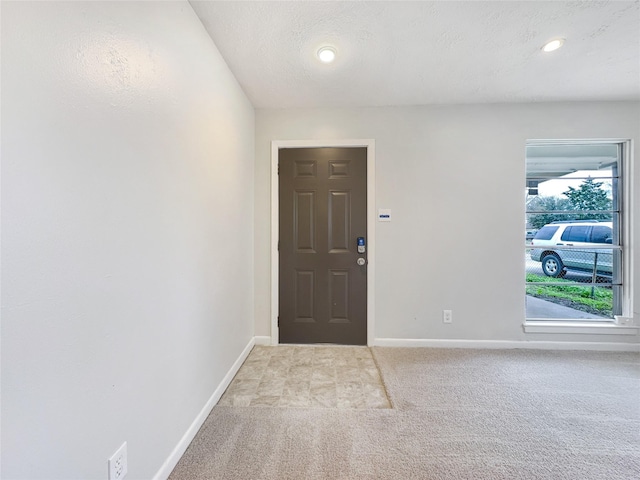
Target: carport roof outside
(546, 162)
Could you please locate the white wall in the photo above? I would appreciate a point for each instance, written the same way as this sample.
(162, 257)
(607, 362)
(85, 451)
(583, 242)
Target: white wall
(127, 232)
(454, 178)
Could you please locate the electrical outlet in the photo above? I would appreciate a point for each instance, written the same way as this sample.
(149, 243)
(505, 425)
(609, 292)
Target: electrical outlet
(447, 316)
(118, 463)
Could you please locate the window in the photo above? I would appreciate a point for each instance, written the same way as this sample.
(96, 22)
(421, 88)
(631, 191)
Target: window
(575, 262)
(545, 233)
(601, 234)
(575, 234)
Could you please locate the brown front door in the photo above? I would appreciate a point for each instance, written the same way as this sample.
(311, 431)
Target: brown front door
(323, 211)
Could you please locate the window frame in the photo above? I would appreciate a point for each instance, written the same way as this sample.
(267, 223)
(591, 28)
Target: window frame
(621, 324)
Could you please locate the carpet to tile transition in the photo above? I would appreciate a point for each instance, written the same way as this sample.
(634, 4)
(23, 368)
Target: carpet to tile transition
(458, 414)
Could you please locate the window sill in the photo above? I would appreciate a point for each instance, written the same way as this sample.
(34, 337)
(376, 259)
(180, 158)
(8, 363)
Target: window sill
(589, 328)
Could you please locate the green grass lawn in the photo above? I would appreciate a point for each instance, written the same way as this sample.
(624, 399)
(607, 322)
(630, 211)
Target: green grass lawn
(572, 296)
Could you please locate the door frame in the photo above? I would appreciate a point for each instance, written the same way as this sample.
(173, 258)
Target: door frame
(276, 145)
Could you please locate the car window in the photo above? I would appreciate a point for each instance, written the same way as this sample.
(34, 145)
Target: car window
(601, 233)
(579, 233)
(546, 232)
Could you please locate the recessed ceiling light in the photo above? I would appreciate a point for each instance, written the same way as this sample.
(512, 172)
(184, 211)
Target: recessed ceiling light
(327, 54)
(553, 45)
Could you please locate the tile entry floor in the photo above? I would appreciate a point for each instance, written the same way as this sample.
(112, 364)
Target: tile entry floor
(324, 376)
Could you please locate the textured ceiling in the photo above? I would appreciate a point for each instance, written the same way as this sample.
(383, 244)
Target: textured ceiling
(427, 52)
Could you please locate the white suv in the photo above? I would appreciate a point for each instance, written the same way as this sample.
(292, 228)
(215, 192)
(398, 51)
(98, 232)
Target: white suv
(584, 234)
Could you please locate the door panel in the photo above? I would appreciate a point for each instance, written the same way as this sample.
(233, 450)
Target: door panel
(304, 222)
(323, 209)
(339, 296)
(339, 222)
(304, 296)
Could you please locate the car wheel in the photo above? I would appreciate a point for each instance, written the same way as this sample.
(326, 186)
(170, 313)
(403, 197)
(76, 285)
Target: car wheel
(552, 265)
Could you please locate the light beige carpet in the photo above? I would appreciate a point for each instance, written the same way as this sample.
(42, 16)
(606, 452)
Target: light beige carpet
(458, 414)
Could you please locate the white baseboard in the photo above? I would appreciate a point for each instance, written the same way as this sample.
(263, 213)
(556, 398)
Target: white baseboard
(506, 344)
(171, 462)
(266, 340)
